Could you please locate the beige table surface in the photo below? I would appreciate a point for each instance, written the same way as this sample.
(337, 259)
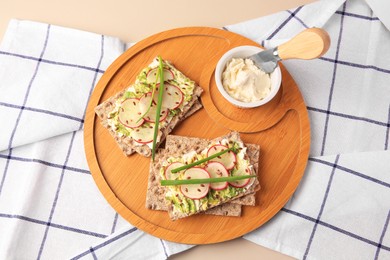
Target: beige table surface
(133, 20)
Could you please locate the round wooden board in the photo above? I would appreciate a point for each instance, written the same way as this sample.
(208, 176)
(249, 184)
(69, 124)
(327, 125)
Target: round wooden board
(281, 128)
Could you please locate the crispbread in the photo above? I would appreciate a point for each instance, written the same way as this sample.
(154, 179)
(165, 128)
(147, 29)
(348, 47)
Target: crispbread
(176, 146)
(155, 196)
(102, 111)
(227, 209)
(127, 144)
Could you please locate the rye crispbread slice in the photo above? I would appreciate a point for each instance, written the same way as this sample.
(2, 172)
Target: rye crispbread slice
(198, 144)
(176, 146)
(155, 196)
(126, 143)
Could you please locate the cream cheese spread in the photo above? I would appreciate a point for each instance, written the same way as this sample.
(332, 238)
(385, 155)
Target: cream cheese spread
(244, 81)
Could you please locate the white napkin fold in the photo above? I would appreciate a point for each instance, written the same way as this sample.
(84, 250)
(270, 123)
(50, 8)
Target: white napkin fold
(49, 203)
(381, 9)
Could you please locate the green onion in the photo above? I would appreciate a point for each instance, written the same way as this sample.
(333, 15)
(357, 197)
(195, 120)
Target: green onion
(158, 109)
(176, 170)
(206, 180)
(151, 100)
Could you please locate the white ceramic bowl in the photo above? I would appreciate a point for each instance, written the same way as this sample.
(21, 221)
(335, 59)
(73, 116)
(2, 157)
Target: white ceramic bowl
(243, 52)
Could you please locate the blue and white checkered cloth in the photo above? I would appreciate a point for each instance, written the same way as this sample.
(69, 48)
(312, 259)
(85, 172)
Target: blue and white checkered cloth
(50, 207)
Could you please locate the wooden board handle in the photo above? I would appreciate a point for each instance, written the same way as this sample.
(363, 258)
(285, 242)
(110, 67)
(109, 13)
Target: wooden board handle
(309, 44)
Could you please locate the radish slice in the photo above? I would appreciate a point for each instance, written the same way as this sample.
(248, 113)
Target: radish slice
(170, 175)
(217, 170)
(172, 96)
(150, 116)
(251, 180)
(241, 183)
(151, 76)
(227, 159)
(129, 113)
(144, 102)
(143, 134)
(195, 191)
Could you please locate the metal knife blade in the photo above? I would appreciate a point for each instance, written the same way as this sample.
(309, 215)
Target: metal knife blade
(266, 60)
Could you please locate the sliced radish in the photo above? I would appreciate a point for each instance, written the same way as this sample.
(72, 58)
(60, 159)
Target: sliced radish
(195, 191)
(151, 76)
(241, 183)
(144, 102)
(150, 115)
(144, 134)
(129, 113)
(217, 170)
(227, 159)
(170, 175)
(172, 96)
(251, 180)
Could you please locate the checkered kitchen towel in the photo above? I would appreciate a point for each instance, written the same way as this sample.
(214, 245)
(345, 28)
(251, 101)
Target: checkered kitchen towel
(49, 203)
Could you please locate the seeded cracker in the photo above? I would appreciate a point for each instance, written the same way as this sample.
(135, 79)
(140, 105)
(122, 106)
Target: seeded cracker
(176, 146)
(109, 110)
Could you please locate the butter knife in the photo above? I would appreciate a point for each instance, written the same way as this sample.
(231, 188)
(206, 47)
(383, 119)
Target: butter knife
(308, 44)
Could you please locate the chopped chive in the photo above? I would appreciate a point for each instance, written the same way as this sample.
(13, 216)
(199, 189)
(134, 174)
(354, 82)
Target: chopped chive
(158, 109)
(176, 170)
(206, 180)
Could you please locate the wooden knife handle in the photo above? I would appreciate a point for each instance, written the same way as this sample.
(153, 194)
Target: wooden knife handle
(309, 44)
